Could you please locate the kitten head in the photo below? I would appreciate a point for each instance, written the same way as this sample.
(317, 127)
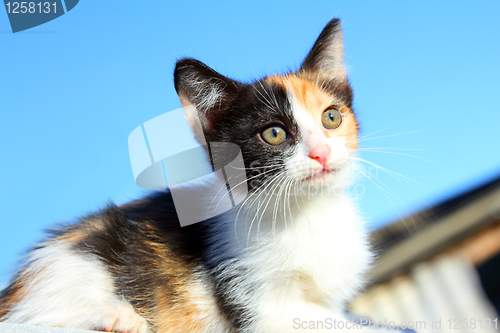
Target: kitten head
(296, 128)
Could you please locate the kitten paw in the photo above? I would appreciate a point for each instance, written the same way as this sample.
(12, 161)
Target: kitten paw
(121, 318)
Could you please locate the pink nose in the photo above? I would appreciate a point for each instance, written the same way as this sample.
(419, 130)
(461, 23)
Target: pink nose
(321, 154)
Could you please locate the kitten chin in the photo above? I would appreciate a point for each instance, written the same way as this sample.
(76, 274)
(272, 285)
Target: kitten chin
(293, 249)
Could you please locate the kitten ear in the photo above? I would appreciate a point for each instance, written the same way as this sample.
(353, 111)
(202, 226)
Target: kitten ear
(327, 54)
(204, 93)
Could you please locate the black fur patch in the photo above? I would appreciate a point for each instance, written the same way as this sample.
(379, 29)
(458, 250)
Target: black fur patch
(244, 111)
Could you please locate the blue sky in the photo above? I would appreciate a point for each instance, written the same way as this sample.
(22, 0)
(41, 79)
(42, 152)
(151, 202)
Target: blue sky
(425, 76)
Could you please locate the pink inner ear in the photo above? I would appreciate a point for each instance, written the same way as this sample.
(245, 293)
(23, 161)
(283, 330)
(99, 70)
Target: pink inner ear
(321, 154)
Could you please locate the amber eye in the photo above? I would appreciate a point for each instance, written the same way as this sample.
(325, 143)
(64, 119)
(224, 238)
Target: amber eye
(331, 118)
(274, 135)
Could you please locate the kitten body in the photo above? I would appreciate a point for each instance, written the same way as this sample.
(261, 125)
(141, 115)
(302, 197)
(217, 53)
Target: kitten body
(295, 249)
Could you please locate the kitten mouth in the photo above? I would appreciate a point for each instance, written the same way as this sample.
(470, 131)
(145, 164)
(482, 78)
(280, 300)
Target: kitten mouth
(320, 174)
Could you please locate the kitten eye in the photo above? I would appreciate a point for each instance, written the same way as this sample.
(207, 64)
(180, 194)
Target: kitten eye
(274, 135)
(331, 118)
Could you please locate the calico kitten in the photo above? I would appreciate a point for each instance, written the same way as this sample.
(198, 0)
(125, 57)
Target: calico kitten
(294, 250)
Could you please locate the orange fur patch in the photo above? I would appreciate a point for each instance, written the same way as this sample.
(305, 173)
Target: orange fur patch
(179, 314)
(315, 101)
(87, 228)
(176, 303)
(176, 307)
(309, 288)
(14, 295)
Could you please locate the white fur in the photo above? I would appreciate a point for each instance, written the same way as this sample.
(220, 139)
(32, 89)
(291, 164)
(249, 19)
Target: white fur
(325, 245)
(67, 289)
